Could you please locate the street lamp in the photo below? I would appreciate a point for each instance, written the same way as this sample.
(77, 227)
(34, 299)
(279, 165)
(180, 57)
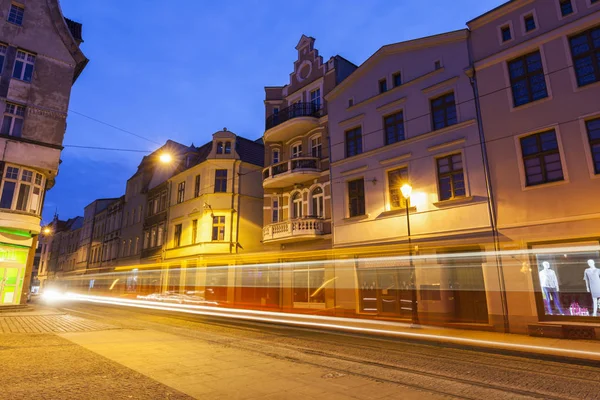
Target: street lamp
(47, 230)
(165, 158)
(406, 190)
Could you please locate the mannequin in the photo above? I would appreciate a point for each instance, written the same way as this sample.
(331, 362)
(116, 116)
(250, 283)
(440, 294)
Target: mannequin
(591, 276)
(549, 284)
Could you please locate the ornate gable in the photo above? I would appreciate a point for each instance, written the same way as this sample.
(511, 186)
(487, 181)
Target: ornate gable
(308, 67)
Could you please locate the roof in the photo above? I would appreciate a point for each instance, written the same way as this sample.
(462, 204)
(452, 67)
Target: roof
(75, 28)
(250, 151)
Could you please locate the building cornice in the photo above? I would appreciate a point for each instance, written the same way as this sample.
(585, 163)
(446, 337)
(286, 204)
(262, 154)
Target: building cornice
(497, 12)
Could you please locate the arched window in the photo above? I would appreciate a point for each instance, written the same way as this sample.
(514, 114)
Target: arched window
(227, 147)
(318, 209)
(297, 205)
(220, 148)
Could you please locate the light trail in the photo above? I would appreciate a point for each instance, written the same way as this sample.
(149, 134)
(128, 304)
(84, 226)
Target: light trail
(335, 323)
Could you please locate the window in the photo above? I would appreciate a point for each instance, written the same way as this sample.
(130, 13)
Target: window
(315, 99)
(160, 234)
(443, 111)
(180, 192)
(382, 86)
(529, 23)
(393, 126)
(397, 79)
(437, 65)
(23, 66)
(162, 206)
(308, 284)
(137, 246)
(451, 178)
(15, 15)
(177, 236)
(218, 228)
(12, 123)
(139, 219)
(2, 56)
(220, 148)
(356, 197)
(506, 34)
(297, 150)
(593, 130)
(275, 156)
(317, 203)
(397, 178)
(350, 102)
(194, 231)
(133, 217)
(221, 181)
(227, 147)
(153, 236)
(315, 147)
(297, 205)
(585, 50)
(275, 209)
(197, 186)
(527, 79)
(354, 142)
(541, 158)
(26, 185)
(566, 7)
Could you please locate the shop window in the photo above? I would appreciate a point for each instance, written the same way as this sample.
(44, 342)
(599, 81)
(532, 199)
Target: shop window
(308, 284)
(541, 158)
(585, 50)
(527, 79)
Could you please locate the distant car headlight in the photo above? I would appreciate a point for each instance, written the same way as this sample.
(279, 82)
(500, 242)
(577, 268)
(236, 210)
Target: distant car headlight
(52, 295)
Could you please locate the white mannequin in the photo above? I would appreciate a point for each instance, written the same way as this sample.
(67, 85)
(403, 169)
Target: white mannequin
(591, 276)
(549, 284)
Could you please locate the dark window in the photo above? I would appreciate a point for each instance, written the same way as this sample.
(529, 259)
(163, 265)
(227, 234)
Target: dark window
(437, 64)
(181, 192)
(275, 216)
(221, 181)
(527, 79)
(443, 111)
(529, 23)
(227, 147)
(593, 130)
(350, 102)
(15, 15)
(218, 228)
(393, 126)
(197, 186)
(194, 231)
(177, 237)
(451, 178)
(8, 193)
(396, 179)
(356, 197)
(566, 7)
(382, 86)
(585, 50)
(397, 79)
(219, 147)
(24, 63)
(12, 123)
(506, 34)
(3, 49)
(353, 142)
(541, 158)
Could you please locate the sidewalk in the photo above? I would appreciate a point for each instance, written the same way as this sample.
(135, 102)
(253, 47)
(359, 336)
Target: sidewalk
(581, 350)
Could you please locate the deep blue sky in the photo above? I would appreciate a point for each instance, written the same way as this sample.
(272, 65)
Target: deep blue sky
(185, 71)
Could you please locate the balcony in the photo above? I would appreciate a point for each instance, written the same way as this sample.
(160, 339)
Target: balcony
(298, 229)
(287, 173)
(292, 121)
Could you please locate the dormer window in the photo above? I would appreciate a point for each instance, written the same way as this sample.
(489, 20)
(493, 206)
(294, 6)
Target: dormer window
(220, 148)
(227, 147)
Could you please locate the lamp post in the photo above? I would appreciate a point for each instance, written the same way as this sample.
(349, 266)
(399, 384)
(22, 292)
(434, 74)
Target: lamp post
(406, 190)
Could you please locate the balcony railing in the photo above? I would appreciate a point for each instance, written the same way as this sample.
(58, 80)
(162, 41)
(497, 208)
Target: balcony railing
(290, 229)
(293, 111)
(292, 165)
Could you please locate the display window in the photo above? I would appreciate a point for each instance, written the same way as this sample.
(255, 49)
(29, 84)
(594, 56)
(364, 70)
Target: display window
(568, 280)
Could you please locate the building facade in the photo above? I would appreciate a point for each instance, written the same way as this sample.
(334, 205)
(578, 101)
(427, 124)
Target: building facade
(538, 77)
(40, 59)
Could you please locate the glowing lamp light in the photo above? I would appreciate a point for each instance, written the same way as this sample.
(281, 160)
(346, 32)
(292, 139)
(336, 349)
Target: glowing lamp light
(165, 158)
(406, 190)
(47, 231)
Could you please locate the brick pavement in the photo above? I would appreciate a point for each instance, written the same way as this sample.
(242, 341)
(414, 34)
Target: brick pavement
(59, 322)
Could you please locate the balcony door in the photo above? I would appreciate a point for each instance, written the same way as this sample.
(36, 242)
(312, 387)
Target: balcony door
(297, 206)
(296, 150)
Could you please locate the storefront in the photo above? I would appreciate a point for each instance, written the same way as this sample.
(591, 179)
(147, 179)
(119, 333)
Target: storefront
(567, 281)
(13, 260)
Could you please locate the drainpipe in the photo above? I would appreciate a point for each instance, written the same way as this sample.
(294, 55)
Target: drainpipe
(232, 209)
(471, 73)
(237, 230)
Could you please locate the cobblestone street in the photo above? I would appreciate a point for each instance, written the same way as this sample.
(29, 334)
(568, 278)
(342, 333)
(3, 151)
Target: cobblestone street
(56, 322)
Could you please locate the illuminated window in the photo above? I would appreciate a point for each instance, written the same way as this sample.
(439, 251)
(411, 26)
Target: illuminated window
(397, 178)
(541, 158)
(356, 197)
(218, 228)
(527, 79)
(12, 124)
(21, 190)
(443, 111)
(23, 66)
(180, 192)
(451, 179)
(15, 15)
(308, 282)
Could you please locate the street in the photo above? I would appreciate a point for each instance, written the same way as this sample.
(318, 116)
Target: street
(175, 355)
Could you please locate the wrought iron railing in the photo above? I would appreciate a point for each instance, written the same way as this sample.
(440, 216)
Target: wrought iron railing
(293, 165)
(293, 111)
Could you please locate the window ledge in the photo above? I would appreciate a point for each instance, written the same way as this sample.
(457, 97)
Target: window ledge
(546, 184)
(356, 218)
(588, 86)
(394, 213)
(452, 202)
(530, 104)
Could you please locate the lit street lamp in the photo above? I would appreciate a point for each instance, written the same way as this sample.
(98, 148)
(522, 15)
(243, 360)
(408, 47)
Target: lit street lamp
(406, 190)
(165, 158)
(47, 230)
